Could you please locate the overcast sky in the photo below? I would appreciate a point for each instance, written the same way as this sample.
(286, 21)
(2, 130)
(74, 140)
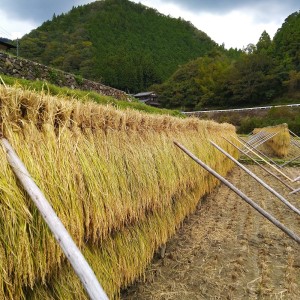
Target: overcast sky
(235, 23)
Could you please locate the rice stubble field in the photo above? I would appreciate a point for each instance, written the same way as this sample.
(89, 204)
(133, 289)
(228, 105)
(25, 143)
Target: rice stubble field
(227, 250)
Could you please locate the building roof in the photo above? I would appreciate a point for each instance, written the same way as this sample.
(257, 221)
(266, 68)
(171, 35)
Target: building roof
(143, 94)
(7, 45)
(147, 98)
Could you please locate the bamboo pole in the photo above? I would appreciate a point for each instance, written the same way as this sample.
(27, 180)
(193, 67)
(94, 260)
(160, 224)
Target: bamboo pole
(262, 140)
(296, 143)
(3, 82)
(258, 137)
(75, 257)
(290, 233)
(295, 191)
(266, 186)
(243, 143)
(255, 137)
(255, 149)
(296, 179)
(261, 166)
(294, 134)
(288, 162)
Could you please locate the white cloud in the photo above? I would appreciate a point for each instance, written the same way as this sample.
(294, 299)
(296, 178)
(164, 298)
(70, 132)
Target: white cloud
(12, 28)
(236, 29)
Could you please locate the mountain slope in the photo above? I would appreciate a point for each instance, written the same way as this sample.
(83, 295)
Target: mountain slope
(126, 45)
(261, 74)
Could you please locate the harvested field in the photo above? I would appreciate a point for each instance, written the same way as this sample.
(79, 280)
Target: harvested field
(227, 250)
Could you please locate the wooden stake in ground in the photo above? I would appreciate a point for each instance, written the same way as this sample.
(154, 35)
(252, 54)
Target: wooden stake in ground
(75, 257)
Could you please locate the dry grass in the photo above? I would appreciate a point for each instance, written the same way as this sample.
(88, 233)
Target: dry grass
(280, 143)
(114, 178)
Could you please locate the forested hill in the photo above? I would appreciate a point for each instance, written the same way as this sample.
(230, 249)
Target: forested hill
(125, 45)
(263, 73)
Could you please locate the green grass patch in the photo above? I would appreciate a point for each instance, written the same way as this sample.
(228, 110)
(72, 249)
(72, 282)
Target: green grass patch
(84, 96)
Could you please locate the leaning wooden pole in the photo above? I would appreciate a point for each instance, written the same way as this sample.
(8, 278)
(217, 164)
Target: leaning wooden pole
(296, 179)
(290, 161)
(72, 252)
(266, 186)
(295, 191)
(245, 145)
(261, 166)
(290, 233)
(254, 148)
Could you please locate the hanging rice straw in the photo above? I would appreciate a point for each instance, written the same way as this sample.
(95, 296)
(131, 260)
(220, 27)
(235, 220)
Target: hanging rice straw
(77, 260)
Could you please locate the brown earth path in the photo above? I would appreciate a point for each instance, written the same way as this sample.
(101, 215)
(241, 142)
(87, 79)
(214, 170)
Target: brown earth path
(227, 250)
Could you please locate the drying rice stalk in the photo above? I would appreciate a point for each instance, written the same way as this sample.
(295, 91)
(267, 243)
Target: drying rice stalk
(113, 177)
(280, 142)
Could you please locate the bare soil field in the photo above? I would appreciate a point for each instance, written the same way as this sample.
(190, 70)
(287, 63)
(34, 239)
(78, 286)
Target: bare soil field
(227, 250)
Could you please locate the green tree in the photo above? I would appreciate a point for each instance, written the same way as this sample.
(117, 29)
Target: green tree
(287, 41)
(196, 84)
(128, 45)
(293, 82)
(264, 43)
(251, 81)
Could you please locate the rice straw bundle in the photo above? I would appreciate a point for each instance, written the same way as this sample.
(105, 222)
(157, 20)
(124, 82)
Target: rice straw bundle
(114, 178)
(279, 144)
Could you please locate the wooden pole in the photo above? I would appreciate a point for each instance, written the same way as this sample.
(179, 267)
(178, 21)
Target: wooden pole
(290, 233)
(261, 166)
(296, 179)
(288, 162)
(266, 186)
(245, 145)
(255, 148)
(4, 86)
(295, 191)
(75, 257)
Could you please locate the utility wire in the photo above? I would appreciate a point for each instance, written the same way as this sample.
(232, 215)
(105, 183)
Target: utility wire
(5, 32)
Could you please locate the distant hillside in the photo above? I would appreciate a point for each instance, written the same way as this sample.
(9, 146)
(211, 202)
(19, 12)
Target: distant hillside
(6, 40)
(261, 74)
(125, 45)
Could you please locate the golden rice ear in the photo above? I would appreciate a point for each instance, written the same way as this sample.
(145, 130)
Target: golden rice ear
(114, 178)
(122, 121)
(75, 115)
(95, 124)
(63, 113)
(130, 122)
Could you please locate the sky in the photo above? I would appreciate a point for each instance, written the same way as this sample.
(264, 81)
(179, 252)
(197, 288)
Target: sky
(235, 23)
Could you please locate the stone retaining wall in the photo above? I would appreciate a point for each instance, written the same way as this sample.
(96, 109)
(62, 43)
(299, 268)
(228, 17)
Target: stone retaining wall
(26, 69)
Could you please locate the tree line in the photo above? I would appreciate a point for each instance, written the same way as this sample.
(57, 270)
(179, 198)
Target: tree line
(134, 48)
(259, 74)
(122, 44)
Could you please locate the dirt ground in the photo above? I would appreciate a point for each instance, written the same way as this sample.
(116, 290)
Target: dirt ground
(227, 250)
